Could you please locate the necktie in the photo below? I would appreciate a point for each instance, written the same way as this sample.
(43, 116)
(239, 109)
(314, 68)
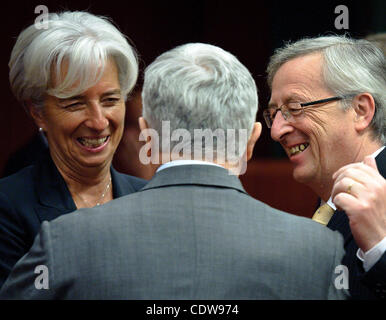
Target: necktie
(323, 214)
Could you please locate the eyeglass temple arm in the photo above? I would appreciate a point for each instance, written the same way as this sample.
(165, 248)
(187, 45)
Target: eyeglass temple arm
(321, 101)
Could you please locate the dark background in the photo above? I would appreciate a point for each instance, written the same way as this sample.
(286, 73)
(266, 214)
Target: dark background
(250, 30)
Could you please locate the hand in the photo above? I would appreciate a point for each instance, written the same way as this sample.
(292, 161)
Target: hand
(360, 190)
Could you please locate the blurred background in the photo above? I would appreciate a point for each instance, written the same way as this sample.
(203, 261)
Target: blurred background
(251, 30)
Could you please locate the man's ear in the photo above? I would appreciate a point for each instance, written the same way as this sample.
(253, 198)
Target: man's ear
(142, 123)
(143, 126)
(255, 135)
(364, 107)
(36, 114)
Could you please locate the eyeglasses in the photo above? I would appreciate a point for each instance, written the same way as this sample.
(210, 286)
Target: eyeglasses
(293, 109)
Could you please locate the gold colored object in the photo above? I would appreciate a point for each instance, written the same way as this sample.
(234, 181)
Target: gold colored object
(323, 214)
(349, 188)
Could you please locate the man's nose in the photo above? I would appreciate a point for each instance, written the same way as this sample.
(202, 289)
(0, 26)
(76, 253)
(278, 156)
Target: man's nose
(280, 127)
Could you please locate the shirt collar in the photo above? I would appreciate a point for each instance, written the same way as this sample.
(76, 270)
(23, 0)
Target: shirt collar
(175, 163)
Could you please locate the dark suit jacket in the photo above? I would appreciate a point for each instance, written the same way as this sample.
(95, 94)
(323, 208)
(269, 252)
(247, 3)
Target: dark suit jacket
(30, 154)
(33, 195)
(370, 285)
(191, 233)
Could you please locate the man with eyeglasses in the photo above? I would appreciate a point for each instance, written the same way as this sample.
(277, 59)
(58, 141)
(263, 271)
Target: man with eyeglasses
(328, 110)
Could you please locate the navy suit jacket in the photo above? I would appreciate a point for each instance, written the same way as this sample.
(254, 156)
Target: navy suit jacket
(33, 195)
(370, 285)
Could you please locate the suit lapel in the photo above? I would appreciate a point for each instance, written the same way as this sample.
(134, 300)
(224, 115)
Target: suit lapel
(340, 222)
(121, 185)
(381, 162)
(206, 175)
(54, 198)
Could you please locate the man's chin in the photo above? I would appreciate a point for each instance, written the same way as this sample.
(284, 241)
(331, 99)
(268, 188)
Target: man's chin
(302, 176)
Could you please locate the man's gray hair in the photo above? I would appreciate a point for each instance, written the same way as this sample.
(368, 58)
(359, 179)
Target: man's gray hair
(81, 40)
(199, 86)
(350, 67)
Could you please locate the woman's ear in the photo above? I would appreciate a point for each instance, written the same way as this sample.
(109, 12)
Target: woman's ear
(36, 113)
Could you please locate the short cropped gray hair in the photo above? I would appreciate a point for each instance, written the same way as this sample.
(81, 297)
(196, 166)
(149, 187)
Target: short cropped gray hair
(350, 67)
(82, 40)
(200, 86)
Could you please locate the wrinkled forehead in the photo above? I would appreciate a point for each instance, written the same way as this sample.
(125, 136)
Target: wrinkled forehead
(299, 78)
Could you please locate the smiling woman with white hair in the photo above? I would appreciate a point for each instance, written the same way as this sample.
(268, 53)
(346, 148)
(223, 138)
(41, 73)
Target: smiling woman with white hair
(73, 78)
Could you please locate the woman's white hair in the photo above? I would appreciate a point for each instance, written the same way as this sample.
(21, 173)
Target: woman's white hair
(84, 42)
(199, 86)
(350, 67)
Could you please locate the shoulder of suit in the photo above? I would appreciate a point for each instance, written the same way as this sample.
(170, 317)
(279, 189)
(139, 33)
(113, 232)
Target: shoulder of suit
(18, 183)
(304, 226)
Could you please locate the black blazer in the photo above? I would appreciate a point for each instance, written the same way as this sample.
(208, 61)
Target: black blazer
(370, 285)
(34, 194)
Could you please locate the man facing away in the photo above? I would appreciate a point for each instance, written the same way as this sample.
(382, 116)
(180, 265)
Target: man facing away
(331, 92)
(192, 232)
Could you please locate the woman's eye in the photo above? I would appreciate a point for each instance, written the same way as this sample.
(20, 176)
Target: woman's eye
(111, 101)
(73, 105)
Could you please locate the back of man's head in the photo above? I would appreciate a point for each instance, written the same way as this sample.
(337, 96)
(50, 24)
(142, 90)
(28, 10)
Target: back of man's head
(197, 87)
